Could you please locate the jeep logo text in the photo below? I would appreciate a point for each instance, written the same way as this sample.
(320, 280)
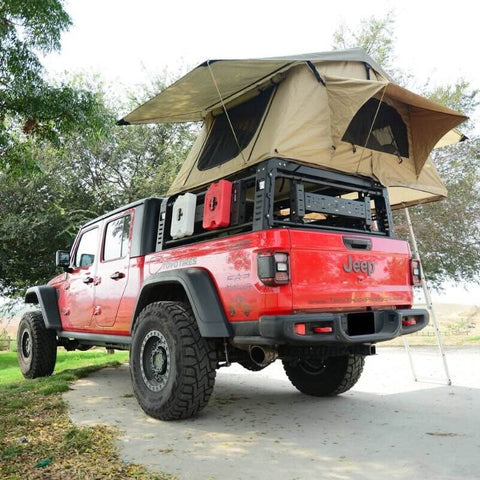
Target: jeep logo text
(356, 266)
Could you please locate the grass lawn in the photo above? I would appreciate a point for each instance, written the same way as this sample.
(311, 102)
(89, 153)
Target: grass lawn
(37, 439)
(65, 361)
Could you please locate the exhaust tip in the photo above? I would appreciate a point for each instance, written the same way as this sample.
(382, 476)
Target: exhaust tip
(262, 356)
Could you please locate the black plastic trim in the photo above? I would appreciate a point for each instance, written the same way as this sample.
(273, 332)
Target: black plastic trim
(46, 297)
(314, 70)
(96, 339)
(201, 294)
(279, 329)
(367, 69)
(145, 227)
(357, 243)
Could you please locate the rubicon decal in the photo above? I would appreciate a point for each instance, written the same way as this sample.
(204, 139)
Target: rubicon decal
(357, 266)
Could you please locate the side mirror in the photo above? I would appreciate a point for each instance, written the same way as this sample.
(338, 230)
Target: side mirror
(62, 259)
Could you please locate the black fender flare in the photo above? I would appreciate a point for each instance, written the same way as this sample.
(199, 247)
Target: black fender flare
(46, 297)
(201, 293)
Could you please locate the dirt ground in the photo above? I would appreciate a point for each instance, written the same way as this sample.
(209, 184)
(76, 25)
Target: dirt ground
(258, 426)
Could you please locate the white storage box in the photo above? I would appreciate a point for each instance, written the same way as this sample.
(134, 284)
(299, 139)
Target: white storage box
(183, 216)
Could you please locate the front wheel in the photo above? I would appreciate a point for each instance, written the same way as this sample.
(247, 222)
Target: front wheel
(171, 365)
(326, 377)
(36, 346)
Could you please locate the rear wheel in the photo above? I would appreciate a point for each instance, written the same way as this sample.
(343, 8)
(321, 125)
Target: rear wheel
(36, 346)
(172, 366)
(326, 377)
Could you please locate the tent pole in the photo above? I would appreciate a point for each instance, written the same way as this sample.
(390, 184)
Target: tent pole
(429, 304)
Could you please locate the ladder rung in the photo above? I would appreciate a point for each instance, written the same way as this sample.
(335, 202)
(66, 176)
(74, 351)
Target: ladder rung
(434, 381)
(428, 304)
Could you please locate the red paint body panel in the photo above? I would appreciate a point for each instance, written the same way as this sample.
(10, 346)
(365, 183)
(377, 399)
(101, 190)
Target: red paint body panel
(325, 276)
(232, 265)
(320, 281)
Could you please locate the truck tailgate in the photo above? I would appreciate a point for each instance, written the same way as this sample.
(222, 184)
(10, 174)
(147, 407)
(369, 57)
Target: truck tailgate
(348, 271)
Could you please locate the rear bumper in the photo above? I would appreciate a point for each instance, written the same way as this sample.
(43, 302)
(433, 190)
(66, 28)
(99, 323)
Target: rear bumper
(331, 328)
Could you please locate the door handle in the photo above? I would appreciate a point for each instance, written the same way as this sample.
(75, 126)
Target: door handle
(355, 243)
(87, 280)
(117, 275)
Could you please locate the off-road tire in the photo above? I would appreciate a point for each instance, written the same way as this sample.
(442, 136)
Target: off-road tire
(36, 346)
(171, 365)
(327, 377)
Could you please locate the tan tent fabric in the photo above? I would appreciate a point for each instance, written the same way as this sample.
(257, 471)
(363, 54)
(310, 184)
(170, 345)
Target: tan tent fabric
(194, 95)
(345, 97)
(306, 120)
(315, 99)
(428, 121)
(451, 138)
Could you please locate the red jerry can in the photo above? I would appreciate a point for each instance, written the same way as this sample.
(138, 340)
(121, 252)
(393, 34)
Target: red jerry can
(216, 210)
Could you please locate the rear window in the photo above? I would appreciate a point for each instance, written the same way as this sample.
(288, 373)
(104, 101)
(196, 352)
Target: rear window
(221, 146)
(116, 238)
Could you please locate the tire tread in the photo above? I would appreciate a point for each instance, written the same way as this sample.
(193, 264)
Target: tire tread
(194, 384)
(340, 376)
(43, 347)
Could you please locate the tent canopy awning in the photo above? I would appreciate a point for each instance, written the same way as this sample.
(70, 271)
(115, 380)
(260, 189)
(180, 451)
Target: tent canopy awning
(195, 94)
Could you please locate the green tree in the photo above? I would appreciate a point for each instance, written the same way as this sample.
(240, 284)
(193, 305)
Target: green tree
(31, 229)
(125, 163)
(374, 35)
(31, 110)
(447, 231)
(86, 177)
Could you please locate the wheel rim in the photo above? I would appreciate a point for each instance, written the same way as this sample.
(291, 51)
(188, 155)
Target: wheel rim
(155, 361)
(26, 345)
(313, 367)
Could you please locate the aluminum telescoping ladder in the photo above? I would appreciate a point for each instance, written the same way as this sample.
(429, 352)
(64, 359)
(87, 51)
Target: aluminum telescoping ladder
(433, 317)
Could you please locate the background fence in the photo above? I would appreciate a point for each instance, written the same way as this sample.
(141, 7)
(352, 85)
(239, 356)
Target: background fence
(7, 344)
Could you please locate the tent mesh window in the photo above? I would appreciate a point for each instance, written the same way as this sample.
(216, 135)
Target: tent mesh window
(389, 132)
(221, 146)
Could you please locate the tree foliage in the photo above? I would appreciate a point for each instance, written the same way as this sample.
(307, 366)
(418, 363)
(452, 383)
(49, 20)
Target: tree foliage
(84, 178)
(31, 109)
(31, 227)
(447, 232)
(374, 35)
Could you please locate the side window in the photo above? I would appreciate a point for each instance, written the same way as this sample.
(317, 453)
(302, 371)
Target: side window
(87, 247)
(116, 238)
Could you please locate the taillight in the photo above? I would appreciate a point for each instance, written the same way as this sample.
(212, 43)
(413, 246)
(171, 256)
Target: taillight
(273, 268)
(416, 272)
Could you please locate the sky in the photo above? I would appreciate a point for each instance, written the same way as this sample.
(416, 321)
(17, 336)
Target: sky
(130, 42)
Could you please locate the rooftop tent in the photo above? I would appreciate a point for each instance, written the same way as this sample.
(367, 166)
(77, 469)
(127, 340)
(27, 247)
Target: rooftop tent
(337, 110)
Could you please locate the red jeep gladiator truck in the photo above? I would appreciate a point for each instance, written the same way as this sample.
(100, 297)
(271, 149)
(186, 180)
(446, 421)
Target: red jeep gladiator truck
(279, 261)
